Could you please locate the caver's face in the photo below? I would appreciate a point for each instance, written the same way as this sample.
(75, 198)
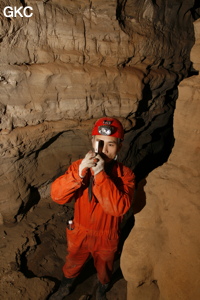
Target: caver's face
(110, 148)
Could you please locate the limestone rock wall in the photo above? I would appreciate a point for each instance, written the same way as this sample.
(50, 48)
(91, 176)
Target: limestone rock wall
(160, 259)
(73, 62)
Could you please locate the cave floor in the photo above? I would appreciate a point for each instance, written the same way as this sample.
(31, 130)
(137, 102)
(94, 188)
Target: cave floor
(32, 252)
(88, 287)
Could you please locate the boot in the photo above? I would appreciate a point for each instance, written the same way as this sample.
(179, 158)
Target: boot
(101, 291)
(64, 289)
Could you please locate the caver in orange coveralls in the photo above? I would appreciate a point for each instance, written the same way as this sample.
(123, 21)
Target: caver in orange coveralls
(96, 222)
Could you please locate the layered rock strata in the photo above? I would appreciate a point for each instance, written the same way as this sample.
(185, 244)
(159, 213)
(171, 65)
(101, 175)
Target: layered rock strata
(73, 62)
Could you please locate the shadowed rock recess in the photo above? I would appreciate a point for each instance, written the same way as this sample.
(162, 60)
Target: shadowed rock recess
(60, 70)
(160, 258)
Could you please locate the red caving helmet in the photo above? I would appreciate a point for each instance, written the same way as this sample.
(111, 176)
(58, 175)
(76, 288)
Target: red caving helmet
(108, 126)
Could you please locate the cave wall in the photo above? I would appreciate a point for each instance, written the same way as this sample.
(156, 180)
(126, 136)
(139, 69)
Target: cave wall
(160, 259)
(73, 62)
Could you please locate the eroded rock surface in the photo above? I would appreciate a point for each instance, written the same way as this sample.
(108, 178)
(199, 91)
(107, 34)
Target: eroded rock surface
(160, 259)
(73, 62)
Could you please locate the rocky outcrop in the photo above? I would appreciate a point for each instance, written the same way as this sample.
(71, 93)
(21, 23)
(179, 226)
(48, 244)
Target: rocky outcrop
(73, 62)
(29, 253)
(160, 259)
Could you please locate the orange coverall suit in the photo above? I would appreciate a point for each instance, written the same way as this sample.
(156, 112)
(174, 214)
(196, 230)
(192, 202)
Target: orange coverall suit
(96, 222)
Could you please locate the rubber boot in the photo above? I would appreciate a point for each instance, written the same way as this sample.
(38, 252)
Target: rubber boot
(64, 289)
(101, 291)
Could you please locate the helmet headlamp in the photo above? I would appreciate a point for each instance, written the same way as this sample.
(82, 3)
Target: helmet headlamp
(105, 130)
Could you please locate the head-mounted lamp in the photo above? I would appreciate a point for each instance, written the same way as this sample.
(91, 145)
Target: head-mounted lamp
(106, 130)
(108, 127)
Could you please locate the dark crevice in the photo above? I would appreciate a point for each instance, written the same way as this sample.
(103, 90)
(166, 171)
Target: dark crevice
(150, 144)
(150, 141)
(23, 265)
(119, 12)
(192, 71)
(23, 3)
(49, 142)
(144, 103)
(34, 198)
(195, 10)
(125, 63)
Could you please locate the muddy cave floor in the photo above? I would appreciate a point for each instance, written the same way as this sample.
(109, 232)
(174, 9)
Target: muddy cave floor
(32, 252)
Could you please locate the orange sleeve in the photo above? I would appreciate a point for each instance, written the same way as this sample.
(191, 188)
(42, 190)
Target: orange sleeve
(115, 198)
(65, 186)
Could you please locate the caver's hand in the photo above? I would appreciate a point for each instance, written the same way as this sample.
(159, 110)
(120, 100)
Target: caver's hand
(88, 162)
(99, 166)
